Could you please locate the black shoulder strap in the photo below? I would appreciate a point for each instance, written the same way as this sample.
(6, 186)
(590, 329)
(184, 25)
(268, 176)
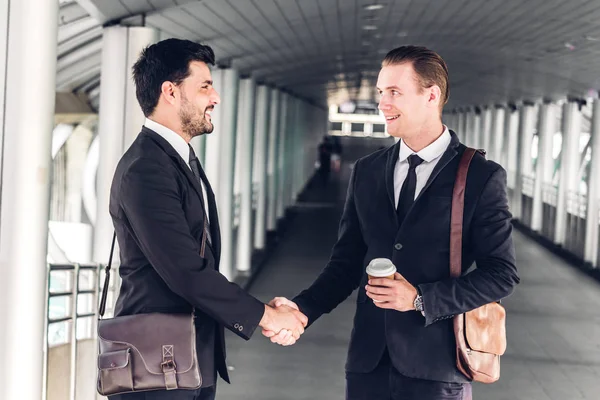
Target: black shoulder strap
(107, 278)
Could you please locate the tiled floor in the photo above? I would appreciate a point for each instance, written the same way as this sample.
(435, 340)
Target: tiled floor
(553, 324)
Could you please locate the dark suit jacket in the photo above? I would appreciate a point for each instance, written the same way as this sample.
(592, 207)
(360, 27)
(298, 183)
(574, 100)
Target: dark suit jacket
(158, 217)
(420, 347)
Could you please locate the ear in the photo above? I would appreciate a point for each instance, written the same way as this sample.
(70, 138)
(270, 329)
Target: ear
(167, 90)
(435, 96)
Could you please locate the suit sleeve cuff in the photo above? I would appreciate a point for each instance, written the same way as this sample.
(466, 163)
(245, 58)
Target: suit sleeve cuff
(246, 324)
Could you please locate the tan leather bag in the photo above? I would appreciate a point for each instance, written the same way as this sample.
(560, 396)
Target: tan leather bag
(145, 352)
(480, 333)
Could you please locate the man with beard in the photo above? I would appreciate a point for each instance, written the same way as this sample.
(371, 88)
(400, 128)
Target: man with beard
(165, 217)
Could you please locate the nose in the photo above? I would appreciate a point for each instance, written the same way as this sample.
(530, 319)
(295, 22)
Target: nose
(214, 97)
(384, 104)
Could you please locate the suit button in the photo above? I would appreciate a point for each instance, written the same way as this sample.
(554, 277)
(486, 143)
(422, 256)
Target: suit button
(241, 328)
(236, 326)
(398, 246)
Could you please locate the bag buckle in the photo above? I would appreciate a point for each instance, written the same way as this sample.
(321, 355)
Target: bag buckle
(168, 366)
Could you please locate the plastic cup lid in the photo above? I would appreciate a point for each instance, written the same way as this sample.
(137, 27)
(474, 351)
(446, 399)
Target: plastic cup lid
(380, 267)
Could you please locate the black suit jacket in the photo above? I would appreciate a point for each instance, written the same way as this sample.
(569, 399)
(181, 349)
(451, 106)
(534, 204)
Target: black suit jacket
(156, 208)
(420, 347)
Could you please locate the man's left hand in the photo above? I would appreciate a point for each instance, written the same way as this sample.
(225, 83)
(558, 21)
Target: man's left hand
(397, 294)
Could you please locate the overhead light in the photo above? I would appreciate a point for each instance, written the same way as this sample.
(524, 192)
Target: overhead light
(569, 46)
(402, 34)
(591, 38)
(369, 27)
(365, 43)
(373, 7)
(377, 36)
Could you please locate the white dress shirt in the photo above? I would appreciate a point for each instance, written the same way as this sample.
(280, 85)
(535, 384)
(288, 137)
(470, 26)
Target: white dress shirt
(430, 155)
(180, 146)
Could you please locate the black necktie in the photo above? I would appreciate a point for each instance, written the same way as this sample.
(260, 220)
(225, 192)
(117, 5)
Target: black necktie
(407, 193)
(195, 166)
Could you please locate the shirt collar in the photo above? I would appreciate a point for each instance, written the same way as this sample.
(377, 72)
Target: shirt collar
(176, 141)
(429, 153)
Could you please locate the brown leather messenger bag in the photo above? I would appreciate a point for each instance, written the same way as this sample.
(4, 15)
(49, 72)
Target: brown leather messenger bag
(146, 352)
(480, 333)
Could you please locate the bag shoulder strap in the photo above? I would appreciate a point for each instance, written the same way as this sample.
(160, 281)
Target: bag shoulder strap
(107, 278)
(458, 208)
(102, 307)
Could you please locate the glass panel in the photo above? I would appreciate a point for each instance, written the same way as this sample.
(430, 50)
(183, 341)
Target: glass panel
(85, 303)
(60, 281)
(85, 327)
(59, 333)
(87, 278)
(59, 307)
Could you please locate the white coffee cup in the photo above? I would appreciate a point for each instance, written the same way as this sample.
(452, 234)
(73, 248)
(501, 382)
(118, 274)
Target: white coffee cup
(381, 268)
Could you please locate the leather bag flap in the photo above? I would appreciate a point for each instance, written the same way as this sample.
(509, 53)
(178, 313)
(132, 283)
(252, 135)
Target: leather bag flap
(485, 329)
(114, 359)
(152, 337)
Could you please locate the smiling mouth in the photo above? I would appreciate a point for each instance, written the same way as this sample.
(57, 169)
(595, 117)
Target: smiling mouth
(208, 113)
(392, 118)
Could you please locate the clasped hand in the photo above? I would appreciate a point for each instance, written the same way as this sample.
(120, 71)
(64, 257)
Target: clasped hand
(283, 322)
(285, 336)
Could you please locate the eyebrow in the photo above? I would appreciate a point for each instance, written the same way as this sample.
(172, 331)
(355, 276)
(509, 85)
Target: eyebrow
(390, 88)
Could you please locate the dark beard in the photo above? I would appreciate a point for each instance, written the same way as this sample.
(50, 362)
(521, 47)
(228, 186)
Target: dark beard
(191, 124)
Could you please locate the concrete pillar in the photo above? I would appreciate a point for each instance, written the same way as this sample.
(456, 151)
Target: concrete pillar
(261, 133)
(219, 160)
(272, 160)
(498, 128)
(569, 166)
(593, 195)
(281, 154)
(523, 156)
(511, 152)
(28, 49)
(244, 148)
(486, 129)
(120, 118)
(300, 140)
(544, 166)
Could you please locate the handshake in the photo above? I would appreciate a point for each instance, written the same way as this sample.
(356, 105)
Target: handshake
(282, 322)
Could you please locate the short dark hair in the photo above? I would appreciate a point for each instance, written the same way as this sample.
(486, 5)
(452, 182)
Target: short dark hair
(168, 60)
(428, 65)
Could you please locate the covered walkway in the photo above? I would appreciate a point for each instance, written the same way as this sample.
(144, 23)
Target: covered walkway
(553, 321)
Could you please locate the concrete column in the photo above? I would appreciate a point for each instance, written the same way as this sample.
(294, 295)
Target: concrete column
(523, 156)
(498, 128)
(120, 118)
(511, 152)
(219, 160)
(543, 171)
(300, 136)
(486, 130)
(593, 195)
(28, 49)
(569, 166)
(281, 155)
(291, 152)
(272, 160)
(261, 131)
(245, 144)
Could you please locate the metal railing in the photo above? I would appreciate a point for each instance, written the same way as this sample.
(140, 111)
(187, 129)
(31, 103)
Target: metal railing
(79, 285)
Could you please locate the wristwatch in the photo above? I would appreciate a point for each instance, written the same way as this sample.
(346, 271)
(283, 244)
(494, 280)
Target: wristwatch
(418, 303)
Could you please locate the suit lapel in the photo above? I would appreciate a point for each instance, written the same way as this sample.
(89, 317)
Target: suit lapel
(193, 182)
(448, 156)
(389, 173)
